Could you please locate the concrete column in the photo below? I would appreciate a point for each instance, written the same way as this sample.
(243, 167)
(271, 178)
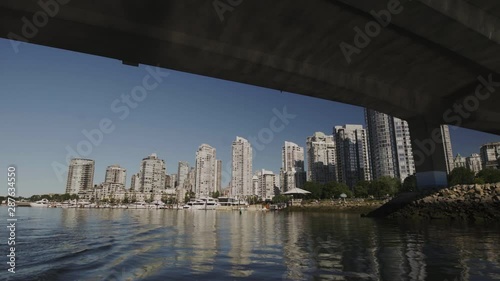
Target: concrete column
(428, 153)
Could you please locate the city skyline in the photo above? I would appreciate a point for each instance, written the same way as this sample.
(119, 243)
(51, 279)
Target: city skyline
(70, 92)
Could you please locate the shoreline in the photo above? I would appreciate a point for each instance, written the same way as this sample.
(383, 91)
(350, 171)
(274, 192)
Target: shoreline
(358, 207)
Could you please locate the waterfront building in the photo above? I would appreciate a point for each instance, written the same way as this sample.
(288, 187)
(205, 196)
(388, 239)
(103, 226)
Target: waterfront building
(173, 181)
(241, 176)
(152, 174)
(292, 172)
(473, 163)
(459, 161)
(389, 145)
(353, 158)
(448, 151)
(80, 175)
(135, 182)
(206, 171)
(490, 155)
(218, 186)
(255, 185)
(265, 182)
(182, 173)
(116, 174)
(321, 158)
(168, 181)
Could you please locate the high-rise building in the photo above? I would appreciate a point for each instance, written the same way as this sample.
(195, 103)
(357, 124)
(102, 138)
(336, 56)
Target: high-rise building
(206, 171)
(265, 184)
(116, 174)
(182, 173)
(390, 146)
(173, 181)
(191, 179)
(255, 185)
(321, 155)
(218, 185)
(474, 163)
(241, 178)
(292, 172)
(353, 158)
(459, 161)
(80, 175)
(404, 153)
(152, 174)
(135, 182)
(490, 155)
(448, 151)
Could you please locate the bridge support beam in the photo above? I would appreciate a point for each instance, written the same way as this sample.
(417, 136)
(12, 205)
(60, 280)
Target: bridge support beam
(428, 153)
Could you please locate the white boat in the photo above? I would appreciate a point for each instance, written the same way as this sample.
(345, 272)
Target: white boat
(138, 205)
(204, 203)
(44, 203)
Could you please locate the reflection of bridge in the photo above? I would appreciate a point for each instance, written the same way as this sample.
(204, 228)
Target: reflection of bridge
(430, 64)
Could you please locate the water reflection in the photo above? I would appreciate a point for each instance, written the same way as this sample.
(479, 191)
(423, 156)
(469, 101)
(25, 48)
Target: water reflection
(226, 245)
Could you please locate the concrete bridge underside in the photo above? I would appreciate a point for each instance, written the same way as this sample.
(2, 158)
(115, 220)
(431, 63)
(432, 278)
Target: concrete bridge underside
(433, 62)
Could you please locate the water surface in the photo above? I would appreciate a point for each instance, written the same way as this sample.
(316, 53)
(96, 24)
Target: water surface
(116, 244)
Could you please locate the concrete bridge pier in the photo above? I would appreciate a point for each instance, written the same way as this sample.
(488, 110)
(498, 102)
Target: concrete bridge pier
(429, 153)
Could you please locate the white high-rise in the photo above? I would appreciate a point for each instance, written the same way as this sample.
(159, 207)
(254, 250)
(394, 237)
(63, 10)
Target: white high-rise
(182, 173)
(135, 182)
(390, 145)
(206, 171)
(152, 174)
(321, 158)
(459, 161)
(218, 185)
(448, 151)
(490, 155)
(241, 177)
(353, 158)
(80, 175)
(265, 184)
(292, 172)
(116, 174)
(473, 163)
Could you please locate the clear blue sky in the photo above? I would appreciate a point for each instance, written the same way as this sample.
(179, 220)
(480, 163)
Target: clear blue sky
(49, 96)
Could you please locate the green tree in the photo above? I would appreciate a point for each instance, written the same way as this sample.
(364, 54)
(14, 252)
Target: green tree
(335, 189)
(361, 189)
(384, 186)
(280, 199)
(65, 197)
(409, 184)
(461, 175)
(216, 194)
(125, 200)
(314, 188)
(489, 175)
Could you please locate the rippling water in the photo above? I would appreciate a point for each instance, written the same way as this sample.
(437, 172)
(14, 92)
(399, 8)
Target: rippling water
(115, 244)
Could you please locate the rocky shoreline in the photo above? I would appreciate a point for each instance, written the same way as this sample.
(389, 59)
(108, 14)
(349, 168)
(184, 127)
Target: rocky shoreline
(474, 203)
(348, 206)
